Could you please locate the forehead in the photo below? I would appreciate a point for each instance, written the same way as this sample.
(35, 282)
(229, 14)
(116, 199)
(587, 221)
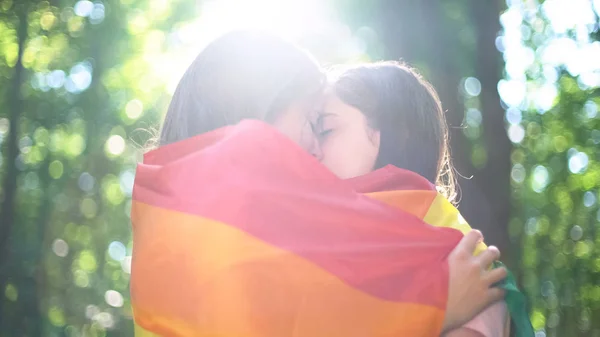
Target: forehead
(331, 104)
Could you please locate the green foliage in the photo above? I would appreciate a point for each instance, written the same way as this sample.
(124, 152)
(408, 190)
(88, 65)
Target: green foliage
(87, 89)
(555, 169)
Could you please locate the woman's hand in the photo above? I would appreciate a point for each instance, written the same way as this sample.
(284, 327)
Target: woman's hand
(470, 287)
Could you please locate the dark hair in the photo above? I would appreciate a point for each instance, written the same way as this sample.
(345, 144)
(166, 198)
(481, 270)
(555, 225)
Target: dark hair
(405, 108)
(241, 75)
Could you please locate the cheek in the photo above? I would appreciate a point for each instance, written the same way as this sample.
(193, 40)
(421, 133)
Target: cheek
(348, 155)
(294, 124)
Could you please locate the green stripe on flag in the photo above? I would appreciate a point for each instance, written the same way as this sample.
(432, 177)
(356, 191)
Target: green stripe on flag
(517, 306)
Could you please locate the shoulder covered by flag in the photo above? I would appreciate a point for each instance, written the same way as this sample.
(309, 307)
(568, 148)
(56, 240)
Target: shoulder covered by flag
(239, 232)
(416, 195)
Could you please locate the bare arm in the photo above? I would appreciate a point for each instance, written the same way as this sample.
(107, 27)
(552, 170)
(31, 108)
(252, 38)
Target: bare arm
(463, 332)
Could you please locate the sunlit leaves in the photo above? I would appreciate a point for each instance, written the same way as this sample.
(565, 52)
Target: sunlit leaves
(9, 47)
(88, 208)
(75, 26)
(47, 20)
(111, 189)
(56, 169)
(11, 292)
(56, 316)
(86, 261)
(75, 145)
(551, 95)
(137, 23)
(538, 320)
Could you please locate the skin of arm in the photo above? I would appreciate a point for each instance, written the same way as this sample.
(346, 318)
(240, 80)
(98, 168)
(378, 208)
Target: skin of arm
(463, 332)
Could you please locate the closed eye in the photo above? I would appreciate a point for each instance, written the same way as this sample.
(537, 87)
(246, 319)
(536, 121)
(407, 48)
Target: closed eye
(324, 133)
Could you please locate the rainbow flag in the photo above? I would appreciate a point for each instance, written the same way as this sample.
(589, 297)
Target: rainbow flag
(239, 232)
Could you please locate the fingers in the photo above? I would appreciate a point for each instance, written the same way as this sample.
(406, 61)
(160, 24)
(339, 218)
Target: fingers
(488, 257)
(494, 295)
(495, 275)
(469, 242)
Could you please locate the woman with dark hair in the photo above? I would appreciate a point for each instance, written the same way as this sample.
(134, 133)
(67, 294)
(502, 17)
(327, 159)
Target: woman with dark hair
(393, 117)
(385, 114)
(249, 75)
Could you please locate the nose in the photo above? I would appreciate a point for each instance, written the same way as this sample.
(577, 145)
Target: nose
(316, 151)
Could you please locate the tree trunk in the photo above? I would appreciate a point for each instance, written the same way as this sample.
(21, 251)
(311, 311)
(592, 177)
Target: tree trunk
(494, 179)
(16, 110)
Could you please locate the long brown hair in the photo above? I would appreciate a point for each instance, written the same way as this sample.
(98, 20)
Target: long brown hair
(241, 75)
(405, 108)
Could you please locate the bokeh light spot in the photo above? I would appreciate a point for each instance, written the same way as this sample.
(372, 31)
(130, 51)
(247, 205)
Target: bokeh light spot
(540, 178)
(87, 261)
(512, 92)
(538, 320)
(582, 249)
(472, 86)
(81, 278)
(75, 145)
(32, 181)
(56, 316)
(578, 162)
(4, 125)
(113, 298)
(55, 169)
(545, 97)
(134, 109)
(518, 173)
(11, 292)
(98, 13)
(112, 190)
(80, 78)
(91, 311)
(83, 8)
(115, 145)
(589, 199)
(474, 117)
(478, 156)
(60, 247)
(88, 208)
(47, 20)
(531, 226)
(591, 109)
(117, 251)
(105, 320)
(126, 180)
(126, 264)
(86, 182)
(514, 115)
(516, 133)
(576, 233)
(55, 79)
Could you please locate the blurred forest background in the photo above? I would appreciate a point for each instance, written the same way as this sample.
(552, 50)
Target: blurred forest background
(82, 82)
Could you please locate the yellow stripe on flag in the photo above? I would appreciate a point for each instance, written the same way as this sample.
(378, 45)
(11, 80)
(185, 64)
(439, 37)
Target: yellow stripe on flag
(443, 214)
(141, 332)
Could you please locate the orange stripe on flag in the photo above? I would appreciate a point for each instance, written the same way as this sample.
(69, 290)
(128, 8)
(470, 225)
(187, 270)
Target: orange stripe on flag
(431, 207)
(414, 202)
(196, 277)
